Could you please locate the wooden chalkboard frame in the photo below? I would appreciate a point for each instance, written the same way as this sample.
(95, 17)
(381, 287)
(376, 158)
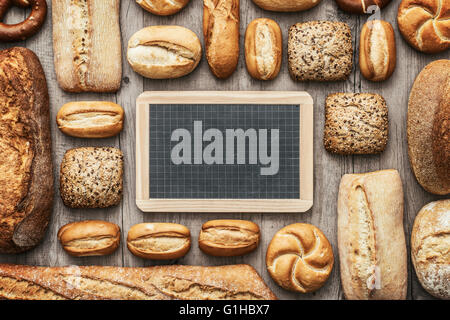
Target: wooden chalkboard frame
(146, 204)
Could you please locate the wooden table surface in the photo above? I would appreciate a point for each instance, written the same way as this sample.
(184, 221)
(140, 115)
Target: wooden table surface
(328, 168)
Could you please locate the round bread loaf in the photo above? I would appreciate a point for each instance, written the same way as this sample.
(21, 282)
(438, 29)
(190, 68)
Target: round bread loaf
(425, 24)
(430, 248)
(300, 258)
(163, 7)
(425, 102)
(286, 5)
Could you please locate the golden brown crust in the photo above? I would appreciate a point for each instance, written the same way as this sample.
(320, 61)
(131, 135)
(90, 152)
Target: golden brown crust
(300, 258)
(425, 24)
(263, 49)
(163, 7)
(232, 282)
(90, 119)
(226, 238)
(361, 6)
(430, 248)
(377, 54)
(371, 240)
(25, 151)
(89, 238)
(286, 5)
(441, 135)
(221, 34)
(426, 94)
(159, 241)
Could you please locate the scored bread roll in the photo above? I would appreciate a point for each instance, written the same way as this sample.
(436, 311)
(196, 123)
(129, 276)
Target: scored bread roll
(164, 52)
(159, 241)
(263, 49)
(89, 238)
(428, 148)
(232, 282)
(371, 240)
(90, 119)
(430, 248)
(221, 34)
(377, 54)
(286, 5)
(163, 7)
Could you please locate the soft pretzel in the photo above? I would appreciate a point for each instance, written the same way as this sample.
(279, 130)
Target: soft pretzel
(425, 24)
(26, 28)
(361, 6)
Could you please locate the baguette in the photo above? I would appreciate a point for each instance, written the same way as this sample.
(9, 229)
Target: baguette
(26, 170)
(371, 240)
(232, 282)
(221, 33)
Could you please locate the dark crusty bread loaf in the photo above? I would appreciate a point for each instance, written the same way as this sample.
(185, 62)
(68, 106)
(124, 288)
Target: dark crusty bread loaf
(91, 177)
(355, 123)
(441, 135)
(320, 51)
(26, 177)
(238, 282)
(426, 99)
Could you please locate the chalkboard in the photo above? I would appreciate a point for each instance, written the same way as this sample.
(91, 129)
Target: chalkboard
(224, 152)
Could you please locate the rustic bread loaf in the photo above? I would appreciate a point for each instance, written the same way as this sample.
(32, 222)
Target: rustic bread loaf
(355, 123)
(89, 238)
(377, 53)
(91, 177)
(300, 258)
(26, 170)
(426, 99)
(263, 49)
(371, 240)
(232, 282)
(361, 6)
(430, 248)
(163, 7)
(159, 241)
(286, 5)
(86, 45)
(226, 238)
(221, 35)
(164, 52)
(320, 51)
(425, 24)
(90, 119)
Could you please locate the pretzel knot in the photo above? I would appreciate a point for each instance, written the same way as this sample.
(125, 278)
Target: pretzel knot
(300, 258)
(361, 6)
(26, 28)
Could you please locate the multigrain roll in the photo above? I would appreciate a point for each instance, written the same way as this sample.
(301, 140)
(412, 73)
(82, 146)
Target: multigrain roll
(377, 53)
(286, 5)
(164, 52)
(263, 49)
(90, 119)
(371, 240)
(428, 127)
(430, 248)
(159, 241)
(221, 35)
(89, 238)
(163, 7)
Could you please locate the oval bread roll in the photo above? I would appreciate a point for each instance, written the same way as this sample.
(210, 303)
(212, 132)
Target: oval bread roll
(164, 52)
(225, 238)
(377, 54)
(286, 5)
(263, 49)
(90, 119)
(89, 238)
(163, 7)
(430, 248)
(159, 241)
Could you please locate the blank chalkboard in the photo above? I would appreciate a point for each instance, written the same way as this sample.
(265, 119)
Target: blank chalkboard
(224, 152)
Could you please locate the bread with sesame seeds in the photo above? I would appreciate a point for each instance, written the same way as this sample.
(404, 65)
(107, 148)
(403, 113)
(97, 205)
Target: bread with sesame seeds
(91, 177)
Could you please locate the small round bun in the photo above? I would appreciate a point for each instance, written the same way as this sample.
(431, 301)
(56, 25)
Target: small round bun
(163, 7)
(300, 258)
(430, 248)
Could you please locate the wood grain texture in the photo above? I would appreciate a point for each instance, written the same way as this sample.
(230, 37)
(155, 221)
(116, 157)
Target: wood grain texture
(328, 168)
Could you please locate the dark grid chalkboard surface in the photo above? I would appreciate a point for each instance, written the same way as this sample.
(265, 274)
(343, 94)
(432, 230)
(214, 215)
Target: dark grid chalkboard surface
(223, 181)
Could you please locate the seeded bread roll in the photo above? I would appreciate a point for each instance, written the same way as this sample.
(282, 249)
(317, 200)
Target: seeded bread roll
(91, 177)
(320, 51)
(355, 123)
